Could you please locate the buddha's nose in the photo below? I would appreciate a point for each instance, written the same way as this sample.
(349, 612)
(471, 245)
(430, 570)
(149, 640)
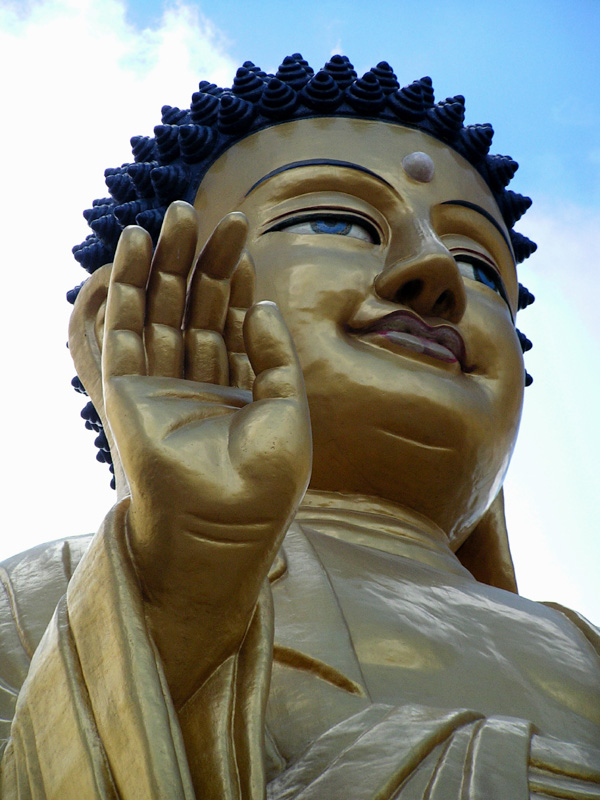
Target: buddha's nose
(428, 282)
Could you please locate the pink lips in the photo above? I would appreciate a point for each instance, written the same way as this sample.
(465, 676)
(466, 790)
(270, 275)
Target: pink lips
(411, 332)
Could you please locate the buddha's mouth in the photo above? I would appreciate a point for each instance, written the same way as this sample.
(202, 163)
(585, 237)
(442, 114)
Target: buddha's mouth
(408, 331)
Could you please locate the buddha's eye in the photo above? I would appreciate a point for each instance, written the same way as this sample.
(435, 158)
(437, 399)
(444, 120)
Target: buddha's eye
(476, 269)
(332, 224)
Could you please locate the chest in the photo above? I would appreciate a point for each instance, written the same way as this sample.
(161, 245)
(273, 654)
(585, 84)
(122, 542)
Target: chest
(421, 636)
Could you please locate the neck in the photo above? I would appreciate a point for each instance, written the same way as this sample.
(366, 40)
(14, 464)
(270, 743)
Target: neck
(379, 524)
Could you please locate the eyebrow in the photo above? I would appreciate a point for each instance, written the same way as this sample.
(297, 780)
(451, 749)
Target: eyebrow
(319, 162)
(483, 212)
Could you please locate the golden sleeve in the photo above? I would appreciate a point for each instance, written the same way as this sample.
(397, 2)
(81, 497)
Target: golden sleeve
(94, 717)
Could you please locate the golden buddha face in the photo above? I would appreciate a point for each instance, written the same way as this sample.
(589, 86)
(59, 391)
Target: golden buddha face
(399, 289)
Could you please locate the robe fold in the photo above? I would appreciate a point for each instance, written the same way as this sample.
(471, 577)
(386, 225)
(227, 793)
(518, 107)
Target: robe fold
(86, 712)
(107, 729)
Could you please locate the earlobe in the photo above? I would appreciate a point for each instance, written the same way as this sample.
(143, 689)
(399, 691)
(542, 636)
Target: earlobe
(86, 331)
(486, 553)
(86, 328)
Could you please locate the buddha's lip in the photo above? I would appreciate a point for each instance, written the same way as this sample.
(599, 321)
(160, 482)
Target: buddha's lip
(408, 322)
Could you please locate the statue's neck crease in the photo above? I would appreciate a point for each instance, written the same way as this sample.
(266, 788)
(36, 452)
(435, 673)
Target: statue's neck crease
(371, 522)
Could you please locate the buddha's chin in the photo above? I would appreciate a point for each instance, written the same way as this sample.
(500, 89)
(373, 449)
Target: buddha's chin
(434, 481)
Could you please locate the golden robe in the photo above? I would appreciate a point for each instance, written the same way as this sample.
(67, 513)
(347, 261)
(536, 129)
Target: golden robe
(86, 712)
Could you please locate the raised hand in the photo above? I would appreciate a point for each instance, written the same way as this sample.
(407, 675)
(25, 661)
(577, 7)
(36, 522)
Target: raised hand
(215, 473)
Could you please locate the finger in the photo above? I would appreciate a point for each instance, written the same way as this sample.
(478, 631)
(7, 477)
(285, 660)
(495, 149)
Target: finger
(241, 374)
(273, 433)
(123, 350)
(243, 282)
(208, 296)
(241, 298)
(171, 265)
(206, 357)
(208, 306)
(272, 354)
(222, 251)
(205, 350)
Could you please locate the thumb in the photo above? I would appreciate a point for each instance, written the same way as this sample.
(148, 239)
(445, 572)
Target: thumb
(272, 435)
(272, 354)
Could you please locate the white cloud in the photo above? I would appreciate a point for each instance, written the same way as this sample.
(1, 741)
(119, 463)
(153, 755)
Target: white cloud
(337, 48)
(79, 82)
(553, 483)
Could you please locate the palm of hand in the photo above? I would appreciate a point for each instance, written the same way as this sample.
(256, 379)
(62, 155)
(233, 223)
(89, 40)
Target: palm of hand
(216, 471)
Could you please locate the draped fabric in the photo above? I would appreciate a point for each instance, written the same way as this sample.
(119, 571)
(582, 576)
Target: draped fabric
(418, 753)
(92, 716)
(31, 584)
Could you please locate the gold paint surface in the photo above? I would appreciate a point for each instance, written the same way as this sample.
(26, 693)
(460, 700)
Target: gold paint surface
(285, 602)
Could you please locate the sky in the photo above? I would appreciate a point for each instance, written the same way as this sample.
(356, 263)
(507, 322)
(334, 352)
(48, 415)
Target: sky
(82, 77)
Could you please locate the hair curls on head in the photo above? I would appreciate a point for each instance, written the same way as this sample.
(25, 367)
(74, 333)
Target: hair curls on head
(171, 165)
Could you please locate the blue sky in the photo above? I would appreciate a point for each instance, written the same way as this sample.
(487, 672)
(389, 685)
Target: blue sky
(531, 67)
(90, 74)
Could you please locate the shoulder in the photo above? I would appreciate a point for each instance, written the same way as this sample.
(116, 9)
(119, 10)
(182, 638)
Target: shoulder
(32, 583)
(590, 631)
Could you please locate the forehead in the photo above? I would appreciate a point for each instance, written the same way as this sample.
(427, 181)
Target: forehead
(321, 162)
(270, 160)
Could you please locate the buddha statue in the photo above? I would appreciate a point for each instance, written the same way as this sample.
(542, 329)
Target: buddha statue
(298, 340)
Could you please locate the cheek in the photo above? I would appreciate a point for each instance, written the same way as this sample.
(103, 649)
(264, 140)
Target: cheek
(492, 341)
(499, 369)
(325, 280)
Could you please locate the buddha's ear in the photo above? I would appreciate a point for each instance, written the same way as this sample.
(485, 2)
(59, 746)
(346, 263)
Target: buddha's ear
(86, 328)
(486, 552)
